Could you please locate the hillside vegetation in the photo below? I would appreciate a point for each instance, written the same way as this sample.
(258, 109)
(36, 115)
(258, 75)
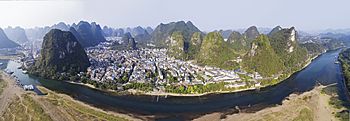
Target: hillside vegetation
(270, 55)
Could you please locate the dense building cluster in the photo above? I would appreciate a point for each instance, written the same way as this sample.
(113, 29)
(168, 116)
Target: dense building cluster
(155, 67)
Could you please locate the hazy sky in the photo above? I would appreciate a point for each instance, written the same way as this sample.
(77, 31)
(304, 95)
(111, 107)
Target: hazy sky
(205, 14)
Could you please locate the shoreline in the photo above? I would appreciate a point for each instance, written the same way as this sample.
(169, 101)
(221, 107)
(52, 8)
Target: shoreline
(344, 81)
(128, 116)
(153, 93)
(289, 108)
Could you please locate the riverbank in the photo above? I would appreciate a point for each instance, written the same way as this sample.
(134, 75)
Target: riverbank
(65, 107)
(311, 105)
(344, 65)
(9, 92)
(187, 108)
(14, 102)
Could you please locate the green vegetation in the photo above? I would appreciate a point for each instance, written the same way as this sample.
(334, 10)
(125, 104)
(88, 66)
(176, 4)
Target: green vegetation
(285, 44)
(305, 114)
(270, 55)
(3, 84)
(338, 104)
(334, 43)
(238, 43)
(24, 108)
(313, 48)
(147, 87)
(344, 58)
(176, 47)
(263, 58)
(343, 115)
(199, 88)
(194, 45)
(216, 52)
(163, 31)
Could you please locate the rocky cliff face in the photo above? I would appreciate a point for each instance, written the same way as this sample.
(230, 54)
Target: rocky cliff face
(181, 49)
(176, 47)
(5, 42)
(284, 38)
(61, 53)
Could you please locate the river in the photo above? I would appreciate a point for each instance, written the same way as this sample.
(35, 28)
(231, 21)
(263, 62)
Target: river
(322, 70)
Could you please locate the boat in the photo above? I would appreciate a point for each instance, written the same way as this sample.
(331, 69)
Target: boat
(1, 64)
(336, 62)
(24, 71)
(8, 71)
(28, 87)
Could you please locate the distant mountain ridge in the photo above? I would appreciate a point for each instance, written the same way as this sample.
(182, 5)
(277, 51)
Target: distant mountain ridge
(5, 42)
(88, 34)
(16, 34)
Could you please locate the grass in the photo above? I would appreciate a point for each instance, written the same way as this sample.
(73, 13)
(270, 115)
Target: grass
(3, 84)
(78, 111)
(343, 113)
(305, 114)
(23, 109)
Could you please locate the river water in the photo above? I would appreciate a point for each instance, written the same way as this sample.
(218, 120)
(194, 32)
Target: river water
(322, 70)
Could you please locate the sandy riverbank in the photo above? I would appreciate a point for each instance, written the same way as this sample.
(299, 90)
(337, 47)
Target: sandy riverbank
(311, 105)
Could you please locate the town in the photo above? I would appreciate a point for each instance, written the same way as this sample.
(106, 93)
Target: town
(153, 66)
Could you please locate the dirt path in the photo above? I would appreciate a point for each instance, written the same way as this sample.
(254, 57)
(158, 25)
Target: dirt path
(9, 92)
(324, 111)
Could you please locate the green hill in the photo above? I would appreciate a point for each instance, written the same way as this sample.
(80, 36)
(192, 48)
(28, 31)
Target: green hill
(61, 53)
(286, 46)
(262, 58)
(177, 45)
(216, 52)
(161, 34)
